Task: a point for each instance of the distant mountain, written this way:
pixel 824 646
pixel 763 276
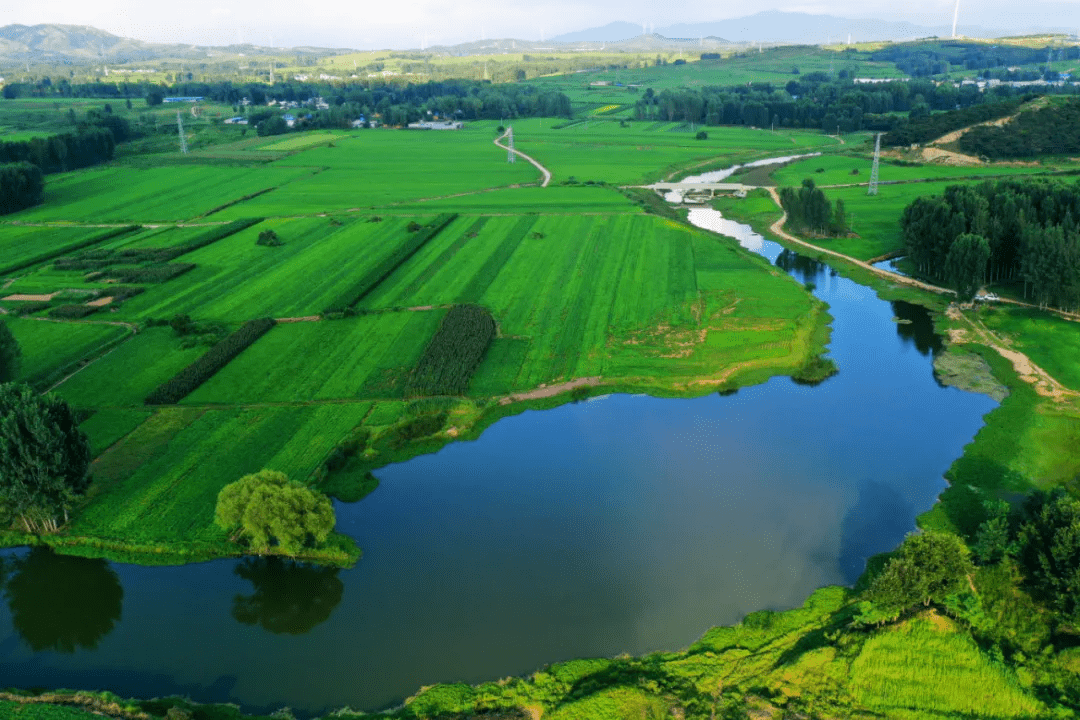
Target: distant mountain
pixel 84 44
pixel 802 28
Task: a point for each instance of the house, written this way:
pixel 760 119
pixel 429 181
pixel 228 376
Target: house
pixel 436 125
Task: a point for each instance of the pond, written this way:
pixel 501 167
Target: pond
pixel 620 524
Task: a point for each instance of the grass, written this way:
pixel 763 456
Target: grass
pixel 838 170
pixel 363 357
pixel 52 349
pixel 1051 342
pixel 20 246
pixel 107 426
pixel 128 373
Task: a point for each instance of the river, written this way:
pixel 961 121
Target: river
pixel 620 524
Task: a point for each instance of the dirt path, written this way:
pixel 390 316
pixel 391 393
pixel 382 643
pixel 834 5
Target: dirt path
pixel 957 134
pixel 1044 383
pixel 541 168
pixel 550 390
pixel 777 228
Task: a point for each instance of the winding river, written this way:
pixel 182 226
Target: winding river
pixel 620 524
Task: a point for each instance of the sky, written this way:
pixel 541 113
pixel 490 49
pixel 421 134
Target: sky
pixel 367 24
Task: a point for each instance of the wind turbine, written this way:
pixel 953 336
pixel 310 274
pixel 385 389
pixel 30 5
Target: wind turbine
pixel 956 15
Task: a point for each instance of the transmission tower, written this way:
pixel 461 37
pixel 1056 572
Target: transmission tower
pixel 180 127
pixel 510 145
pixel 874 170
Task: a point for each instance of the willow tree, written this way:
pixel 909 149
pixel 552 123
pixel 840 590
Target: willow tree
pixel 268 509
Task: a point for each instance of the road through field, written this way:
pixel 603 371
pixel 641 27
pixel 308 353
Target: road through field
pixel 541 168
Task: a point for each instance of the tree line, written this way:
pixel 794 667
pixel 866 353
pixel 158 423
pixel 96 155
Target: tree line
pixel 1049 130
pixel 808 210
pixel 818 101
pixel 1000 230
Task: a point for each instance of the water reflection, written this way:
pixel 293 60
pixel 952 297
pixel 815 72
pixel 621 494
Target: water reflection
pixel 806 268
pixel 915 327
pixel 60 602
pixel 289 597
pixel 876 523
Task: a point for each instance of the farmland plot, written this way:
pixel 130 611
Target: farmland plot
pixel 22 245
pixel 49 349
pixel 236 280
pixel 368 356
pixel 160 483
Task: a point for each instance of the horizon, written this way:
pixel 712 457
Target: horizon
pixel 340 25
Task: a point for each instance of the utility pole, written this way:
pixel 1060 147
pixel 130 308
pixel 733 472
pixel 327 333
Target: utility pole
pixel 872 190
pixel 180 127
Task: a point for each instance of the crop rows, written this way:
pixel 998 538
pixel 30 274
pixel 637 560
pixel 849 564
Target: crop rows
pixel 217 357
pixel 390 263
pixel 34 244
pixel 454 352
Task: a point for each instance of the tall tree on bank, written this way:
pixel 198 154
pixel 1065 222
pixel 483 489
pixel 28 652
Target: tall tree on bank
pixel 10 354
pixel 965 265
pixel 44 458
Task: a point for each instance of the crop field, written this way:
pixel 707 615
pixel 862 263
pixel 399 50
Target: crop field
pixel 235 279
pixel 167 194
pixel 108 425
pixel 50 348
pixel 839 170
pixel 128 373
pixel 571 199
pixel 160 483
pixel 22 245
pixel 363 357
pixel 376 167
pixel 155 237
pixel 303 141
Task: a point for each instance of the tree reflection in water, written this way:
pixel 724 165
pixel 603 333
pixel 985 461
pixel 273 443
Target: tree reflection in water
pixel 61 602
pixel 289 597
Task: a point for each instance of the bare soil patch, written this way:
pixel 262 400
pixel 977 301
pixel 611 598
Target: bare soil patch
pixel 546 391
pixel 100 302
pixel 19 297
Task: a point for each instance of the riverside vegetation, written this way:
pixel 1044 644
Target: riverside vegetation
pixel 651 304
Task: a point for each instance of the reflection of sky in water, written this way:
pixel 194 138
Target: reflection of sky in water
pixel 626 524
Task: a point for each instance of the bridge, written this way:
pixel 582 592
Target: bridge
pixel 699 192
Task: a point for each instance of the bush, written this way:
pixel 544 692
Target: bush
pixel 269 238
pixel 72 312
pixel 29 308
pixel 702 135
pixel 454 352
pixel 198 372
pixel 415 428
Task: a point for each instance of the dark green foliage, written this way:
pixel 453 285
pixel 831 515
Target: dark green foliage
pixel 809 210
pixel 72 312
pixel 148 273
pixel 99 259
pixel 10 355
pixel 21 186
pixel 815 371
pixel 931 127
pixel 1049 550
pixel 94 240
pixel 198 372
pixel 965 264
pixel 1031 231
pixel 29 308
pixel 272 126
pixel 702 135
pixel 391 263
pixel 413 226
pixel 993 540
pixel 269 238
pixel 1053 130
pixel 927 568
pixel 44 458
pixel 454 353
pixel 91 145
pixel 415 428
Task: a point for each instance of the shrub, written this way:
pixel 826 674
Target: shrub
pixel 414 428
pixel 72 312
pixel 198 372
pixel 269 238
pixel 702 135
pixel 454 352
pixel 29 308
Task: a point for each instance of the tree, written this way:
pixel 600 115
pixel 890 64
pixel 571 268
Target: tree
pixel 1049 543
pixel 928 568
pixel 267 507
pixel 44 458
pixel 965 264
pixel 10 355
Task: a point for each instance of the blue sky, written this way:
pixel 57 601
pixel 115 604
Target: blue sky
pixel 366 24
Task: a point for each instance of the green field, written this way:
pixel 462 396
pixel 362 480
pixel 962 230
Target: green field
pixel 20 245
pixel 364 357
pixel 838 170
pixel 52 349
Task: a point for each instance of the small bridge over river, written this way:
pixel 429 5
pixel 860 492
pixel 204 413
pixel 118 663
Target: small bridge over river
pixel 700 192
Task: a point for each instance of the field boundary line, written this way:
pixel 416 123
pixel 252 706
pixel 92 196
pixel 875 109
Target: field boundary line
pixel 541 168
